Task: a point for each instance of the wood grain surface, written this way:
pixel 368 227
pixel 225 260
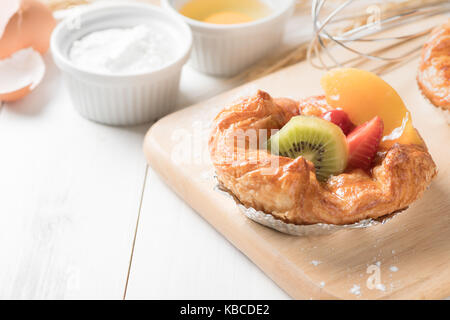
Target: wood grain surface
pixel 411 252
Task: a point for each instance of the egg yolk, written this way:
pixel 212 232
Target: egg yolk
pixel 228 17
pixel 225 12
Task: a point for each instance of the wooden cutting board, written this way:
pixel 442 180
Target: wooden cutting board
pixel 410 255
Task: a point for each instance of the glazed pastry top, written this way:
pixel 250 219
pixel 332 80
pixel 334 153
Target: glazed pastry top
pixel 434 71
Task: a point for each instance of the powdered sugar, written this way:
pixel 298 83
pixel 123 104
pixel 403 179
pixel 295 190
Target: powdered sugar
pixel 393 268
pixel 356 290
pixel 124 51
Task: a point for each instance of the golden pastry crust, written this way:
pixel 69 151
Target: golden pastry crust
pixel 290 191
pixel 434 71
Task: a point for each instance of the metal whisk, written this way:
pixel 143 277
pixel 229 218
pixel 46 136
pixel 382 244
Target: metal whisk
pixel 371 31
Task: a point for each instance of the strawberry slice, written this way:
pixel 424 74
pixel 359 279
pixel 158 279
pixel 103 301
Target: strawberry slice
pixel 363 143
pixel 339 118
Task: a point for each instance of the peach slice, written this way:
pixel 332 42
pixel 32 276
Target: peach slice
pixel 20 74
pixel 364 95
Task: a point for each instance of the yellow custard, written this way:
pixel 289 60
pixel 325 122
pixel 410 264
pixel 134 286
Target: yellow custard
pixel 225 11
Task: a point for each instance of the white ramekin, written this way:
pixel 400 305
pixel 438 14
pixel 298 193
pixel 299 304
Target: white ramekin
pixel 225 50
pixel 121 99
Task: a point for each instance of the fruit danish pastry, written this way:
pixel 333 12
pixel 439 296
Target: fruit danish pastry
pixel 340 158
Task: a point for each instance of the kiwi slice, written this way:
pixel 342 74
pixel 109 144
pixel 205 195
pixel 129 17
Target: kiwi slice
pixel 315 139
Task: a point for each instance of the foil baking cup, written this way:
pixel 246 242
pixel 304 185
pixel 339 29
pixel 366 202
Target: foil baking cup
pixel 299 230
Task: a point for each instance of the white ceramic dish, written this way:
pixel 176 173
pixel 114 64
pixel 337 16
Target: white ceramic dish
pixel 225 50
pixel 122 99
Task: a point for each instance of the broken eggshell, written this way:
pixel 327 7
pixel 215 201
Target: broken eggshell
pixel 25 30
pixel 24 24
pixel 20 73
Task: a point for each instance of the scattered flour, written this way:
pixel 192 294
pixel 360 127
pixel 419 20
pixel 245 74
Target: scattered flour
pixel 315 263
pixel 393 268
pixel 356 290
pixel 208 174
pixel 124 50
pixel 322 284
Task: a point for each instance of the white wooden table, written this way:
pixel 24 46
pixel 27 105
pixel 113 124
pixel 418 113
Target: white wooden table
pixel 83 217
